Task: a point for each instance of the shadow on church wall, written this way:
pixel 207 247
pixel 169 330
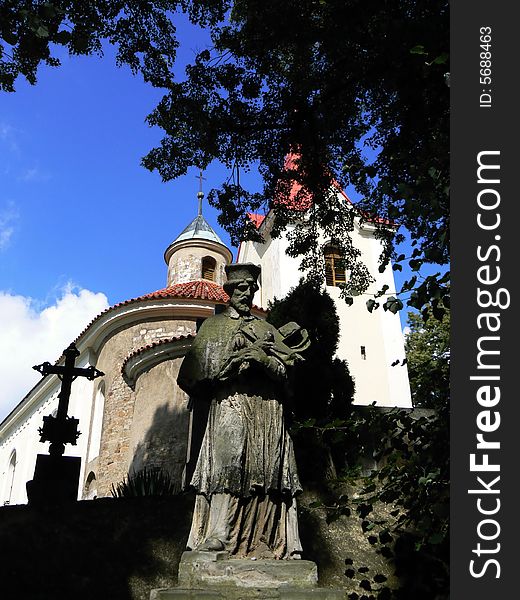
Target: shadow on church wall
pixel 160 424
pixel 164 444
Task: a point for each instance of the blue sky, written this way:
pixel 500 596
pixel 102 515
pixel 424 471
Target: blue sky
pixel 74 201
pixel 82 224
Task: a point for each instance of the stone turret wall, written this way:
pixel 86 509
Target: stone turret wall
pixel 185 264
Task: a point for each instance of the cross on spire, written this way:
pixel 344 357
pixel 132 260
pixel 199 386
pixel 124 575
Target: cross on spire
pixel 200 194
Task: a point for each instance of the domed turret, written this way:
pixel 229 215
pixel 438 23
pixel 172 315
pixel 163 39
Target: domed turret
pixel 197 253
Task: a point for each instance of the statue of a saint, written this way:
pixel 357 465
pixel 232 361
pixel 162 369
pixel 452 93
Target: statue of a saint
pixel 245 477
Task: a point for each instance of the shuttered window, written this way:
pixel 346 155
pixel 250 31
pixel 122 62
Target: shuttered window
pixel 208 268
pixel 334 267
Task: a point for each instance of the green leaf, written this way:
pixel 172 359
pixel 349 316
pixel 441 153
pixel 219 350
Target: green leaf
pixel 62 37
pixel 42 32
pixel 365 584
pixel 408 285
pixel 372 304
pixel 10 37
pixel 385 537
pixel 441 59
pixel 393 304
pixel 436 538
pixel 418 50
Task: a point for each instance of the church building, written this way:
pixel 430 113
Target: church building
pixel 135 415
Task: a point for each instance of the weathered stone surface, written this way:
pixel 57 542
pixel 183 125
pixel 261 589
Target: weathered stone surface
pixel 215 569
pixel 245 476
pixel 250 594
pixel 137 424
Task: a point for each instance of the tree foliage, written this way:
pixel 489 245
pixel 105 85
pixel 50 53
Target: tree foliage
pixel 412 479
pixel 32 30
pixel 428 359
pixel 327 79
pixel 322 386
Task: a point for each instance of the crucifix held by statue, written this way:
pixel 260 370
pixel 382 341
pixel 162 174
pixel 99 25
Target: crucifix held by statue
pixel 245 477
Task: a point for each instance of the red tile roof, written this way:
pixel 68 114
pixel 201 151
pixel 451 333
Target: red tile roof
pixel 299 198
pixel 201 288
pixel 155 345
pixel 256 219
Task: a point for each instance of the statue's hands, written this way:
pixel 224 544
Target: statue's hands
pixel 245 357
pixel 253 353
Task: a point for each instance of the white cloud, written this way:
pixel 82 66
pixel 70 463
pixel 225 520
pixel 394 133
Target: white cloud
pixel 8 218
pixel 8 137
pixel 31 335
pixel 34 175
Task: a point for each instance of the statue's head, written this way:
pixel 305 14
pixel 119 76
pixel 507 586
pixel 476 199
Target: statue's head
pixel 241 285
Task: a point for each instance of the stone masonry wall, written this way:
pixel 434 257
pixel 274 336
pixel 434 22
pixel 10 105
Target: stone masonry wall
pixel 116 452
pixel 186 265
pixel 160 423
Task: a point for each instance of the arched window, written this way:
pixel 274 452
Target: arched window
pixel 90 492
pixel 334 266
pixel 97 423
pixel 209 265
pixel 10 478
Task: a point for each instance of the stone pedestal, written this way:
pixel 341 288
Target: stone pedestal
pixel 56 480
pixel 214 576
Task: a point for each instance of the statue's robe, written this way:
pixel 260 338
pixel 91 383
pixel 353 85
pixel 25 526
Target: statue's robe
pixel 245 477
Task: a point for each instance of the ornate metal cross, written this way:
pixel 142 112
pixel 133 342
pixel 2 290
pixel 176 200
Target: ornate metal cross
pixel 61 429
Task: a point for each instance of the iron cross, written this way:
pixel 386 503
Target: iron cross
pixel 61 430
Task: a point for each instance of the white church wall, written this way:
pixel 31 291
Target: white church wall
pixel 379 332
pixel 21 434
pixel 80 406
pixel 96 422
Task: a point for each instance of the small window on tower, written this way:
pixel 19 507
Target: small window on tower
pixel 334 266
pixel 363 353
pixel 209 265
